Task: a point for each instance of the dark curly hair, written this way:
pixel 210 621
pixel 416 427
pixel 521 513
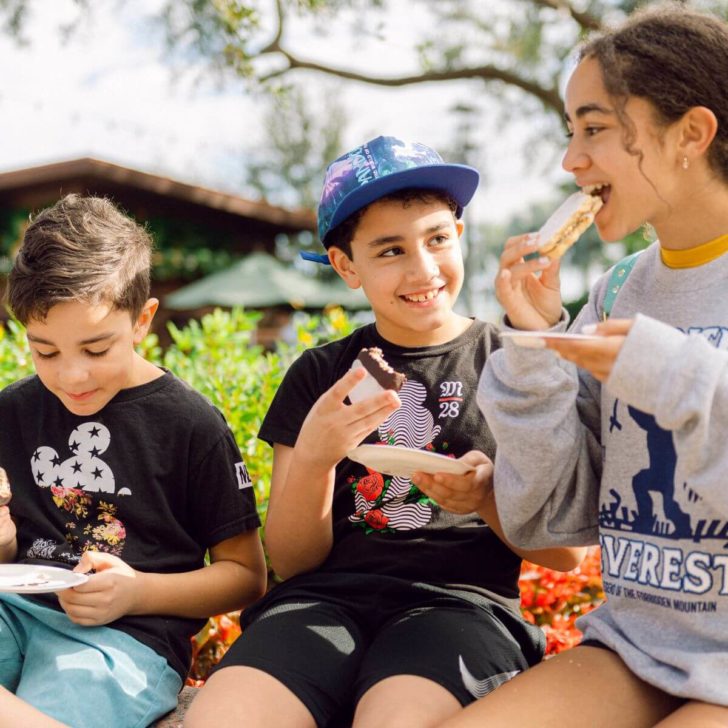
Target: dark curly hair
pixel 675 58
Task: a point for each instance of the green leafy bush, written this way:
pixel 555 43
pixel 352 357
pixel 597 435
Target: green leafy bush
pixel 15 361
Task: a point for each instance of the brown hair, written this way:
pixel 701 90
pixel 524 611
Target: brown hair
pixel 674 58
pixel 80 249
pixel 342 235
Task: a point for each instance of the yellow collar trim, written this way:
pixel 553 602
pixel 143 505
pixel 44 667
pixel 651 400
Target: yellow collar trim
pixel 693 257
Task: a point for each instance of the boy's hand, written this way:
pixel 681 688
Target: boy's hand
pixel 462 494
pixel 332 428
pixel 597 357
pixel 532 302
pixel 8 532
pixel 110 593
pixel 7 527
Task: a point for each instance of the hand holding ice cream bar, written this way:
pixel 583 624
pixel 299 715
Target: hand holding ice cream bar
pixel 5 493
pixel 380 376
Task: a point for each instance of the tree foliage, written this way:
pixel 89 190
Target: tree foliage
pixel 511 46
pixel 301 141
pixel 506 44
pixel 289 168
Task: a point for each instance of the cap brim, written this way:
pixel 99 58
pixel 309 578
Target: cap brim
pixel 322 258
pixel 457 180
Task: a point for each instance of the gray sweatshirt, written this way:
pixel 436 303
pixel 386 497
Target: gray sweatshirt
pixel 639 465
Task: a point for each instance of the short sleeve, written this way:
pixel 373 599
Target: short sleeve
pixel 223 494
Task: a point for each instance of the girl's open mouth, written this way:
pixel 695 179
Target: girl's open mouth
pixel 599 190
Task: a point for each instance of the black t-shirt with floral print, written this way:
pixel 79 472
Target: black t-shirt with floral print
pixel 155 477
pixel 384 524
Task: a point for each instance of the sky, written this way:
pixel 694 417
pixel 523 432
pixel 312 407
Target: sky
pixel 110 92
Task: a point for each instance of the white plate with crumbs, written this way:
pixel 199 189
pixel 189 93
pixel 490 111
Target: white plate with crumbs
pixel 37 579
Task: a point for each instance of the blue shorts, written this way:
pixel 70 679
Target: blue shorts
pixel 84 677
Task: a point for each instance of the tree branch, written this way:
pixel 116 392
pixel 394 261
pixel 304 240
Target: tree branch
pixel 549 97
pixel 585 20
pixel 275 44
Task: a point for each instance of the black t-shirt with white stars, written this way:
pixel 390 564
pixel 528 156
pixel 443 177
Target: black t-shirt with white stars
pixel 155 477
pixel 384 524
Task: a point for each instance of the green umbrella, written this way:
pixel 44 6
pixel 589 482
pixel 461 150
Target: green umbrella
pixel 259 280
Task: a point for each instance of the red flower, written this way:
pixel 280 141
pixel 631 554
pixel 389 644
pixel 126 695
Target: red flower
pixel 553 600
pixel 371 486
pixel 376 519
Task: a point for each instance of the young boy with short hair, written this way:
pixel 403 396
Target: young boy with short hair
pixel 119 471
pixel 395 606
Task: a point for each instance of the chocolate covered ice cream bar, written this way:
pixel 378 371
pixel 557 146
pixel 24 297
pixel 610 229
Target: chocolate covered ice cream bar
pixel 380 375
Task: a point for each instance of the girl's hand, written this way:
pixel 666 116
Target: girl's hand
pixel 110 593
pixel 528 290
pixel 597 357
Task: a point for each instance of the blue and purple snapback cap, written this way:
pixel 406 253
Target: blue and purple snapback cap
pixel 380 167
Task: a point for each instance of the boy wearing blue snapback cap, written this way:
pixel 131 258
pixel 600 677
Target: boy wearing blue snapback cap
pixel 394 608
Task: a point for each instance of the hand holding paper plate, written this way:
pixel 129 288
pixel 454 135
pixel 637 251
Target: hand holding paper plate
pixel 37 578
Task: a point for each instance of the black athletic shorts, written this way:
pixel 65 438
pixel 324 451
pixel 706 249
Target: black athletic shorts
pixel 331 637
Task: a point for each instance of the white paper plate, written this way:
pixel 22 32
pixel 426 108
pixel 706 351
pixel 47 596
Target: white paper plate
pixel 36 578
pixel 404 461
pixel 538 339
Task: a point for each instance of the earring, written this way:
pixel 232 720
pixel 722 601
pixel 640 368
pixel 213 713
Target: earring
pixel 685 162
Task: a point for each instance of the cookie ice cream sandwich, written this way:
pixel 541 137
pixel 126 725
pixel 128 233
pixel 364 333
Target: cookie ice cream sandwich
pixel 567 224
pixel 380 376
pixel 5 494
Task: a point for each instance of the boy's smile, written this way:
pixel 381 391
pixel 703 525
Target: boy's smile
pixel 406 256
pixel 84 354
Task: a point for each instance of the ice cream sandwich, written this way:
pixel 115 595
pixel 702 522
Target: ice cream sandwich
pixel 380 376
pixel 567 224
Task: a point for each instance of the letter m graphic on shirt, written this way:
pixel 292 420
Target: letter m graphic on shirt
pixel 243 476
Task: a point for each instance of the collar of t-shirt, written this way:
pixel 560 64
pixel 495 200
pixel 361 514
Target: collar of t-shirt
pixel 693 257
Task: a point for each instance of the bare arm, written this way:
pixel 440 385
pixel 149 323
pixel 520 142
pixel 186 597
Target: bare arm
pixel 299 531
pixel 235 578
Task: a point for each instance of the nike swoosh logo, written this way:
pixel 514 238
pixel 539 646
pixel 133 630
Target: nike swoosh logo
pixel 480 688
